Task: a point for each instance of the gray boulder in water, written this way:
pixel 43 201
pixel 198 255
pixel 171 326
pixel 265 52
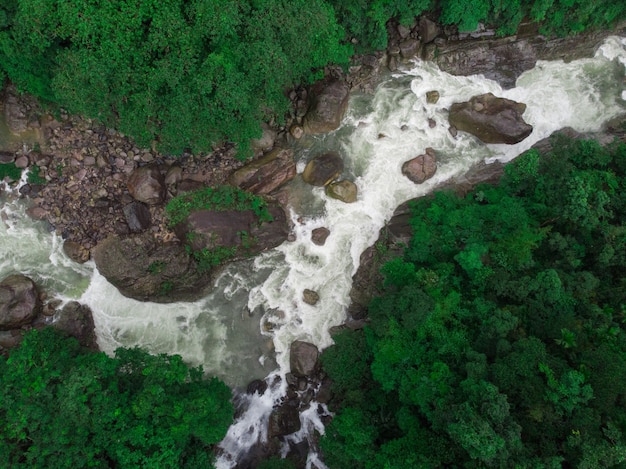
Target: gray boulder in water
pixel 491 119
pixel 323 169
pixel 329 102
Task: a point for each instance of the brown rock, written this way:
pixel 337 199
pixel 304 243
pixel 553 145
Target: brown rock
pixel 428 30
pixel 296 131
pixel 76 252
pixel 267 173
pixel 329 101
pixel 283 420
pixel 421 168
pixel 19 302
pixel 319 235
pixel 491 119
pixel 76 320
pixel 265 142
pixel 346 191
pixel 323 169
pixel 310 297
pixel 409 48
pixel 303 359
pixel 432 97
pixel 146 184
pixel 22 162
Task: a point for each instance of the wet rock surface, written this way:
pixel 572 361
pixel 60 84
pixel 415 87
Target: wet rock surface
pixel 142 268
pixel 491 119
pixel 329 101
pixel 323 169
pixel 19 302
pixel 266 174
pixel 422 167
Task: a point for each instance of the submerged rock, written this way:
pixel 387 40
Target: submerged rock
pixel 346 191
pixel 323 169
pixel 491 119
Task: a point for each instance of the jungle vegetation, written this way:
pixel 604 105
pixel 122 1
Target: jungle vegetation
pixel 191 74
pixel 500 337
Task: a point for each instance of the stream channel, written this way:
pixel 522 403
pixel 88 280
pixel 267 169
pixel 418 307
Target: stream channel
pixel 244 328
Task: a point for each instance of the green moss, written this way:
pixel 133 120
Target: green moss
pixel 219 198
pixel 10 170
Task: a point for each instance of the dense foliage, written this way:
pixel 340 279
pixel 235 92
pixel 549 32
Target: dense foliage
pixel 500 339
pixel 63 407
pixel 188 74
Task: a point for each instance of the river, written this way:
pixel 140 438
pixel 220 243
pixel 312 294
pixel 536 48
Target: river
pixel 243 330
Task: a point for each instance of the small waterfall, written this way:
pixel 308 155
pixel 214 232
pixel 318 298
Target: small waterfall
pixel 243 330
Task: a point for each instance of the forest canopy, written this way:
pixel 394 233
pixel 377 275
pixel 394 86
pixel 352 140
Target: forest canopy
pixel 500 336
pixel 190 74
pixel 62 406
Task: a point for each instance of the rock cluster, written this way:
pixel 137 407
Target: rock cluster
pixel 23 305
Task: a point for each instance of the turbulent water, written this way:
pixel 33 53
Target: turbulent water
pixel 243 330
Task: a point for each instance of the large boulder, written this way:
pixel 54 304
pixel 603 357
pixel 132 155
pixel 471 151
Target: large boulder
pixel 329 101
pixel 137 216
pixel 146 184
pixel 147 270
pixel 265 142
pixel 242 230
pixel 323 169
pixel 267 173
pixel 284 420
pixel 303 359
pixel 319 235
pixel 76 320
pixel 19 302
pixel 491 119
pixel 505 59
pixel 422 167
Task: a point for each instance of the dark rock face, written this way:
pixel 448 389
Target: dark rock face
pixel 137 216
pixel 76 320
pixel 146 270
pixel 323 169
pixel 329 102
pixel 505 59
pixel 303 359
pixel 19 302
pixel 421 168
pixel 240 229
pixel 319 235
pixel 284 420
pixel 146 184
pixel 491 119
pixel 266 174
pixel 428 30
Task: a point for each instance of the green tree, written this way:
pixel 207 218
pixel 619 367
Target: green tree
pixel 63 407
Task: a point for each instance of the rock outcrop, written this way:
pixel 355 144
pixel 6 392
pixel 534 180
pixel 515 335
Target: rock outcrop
pixel 303 359
pixel 323 169
pixel 19 302
pixel 491 119
pixel 328 104
pixel 146 184
pixel 76 320
pixel 422 167
pixel 147 270
pixel 267 173
pixel 242 230
pixel 319 235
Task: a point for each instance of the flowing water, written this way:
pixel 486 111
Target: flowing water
pixel 244 329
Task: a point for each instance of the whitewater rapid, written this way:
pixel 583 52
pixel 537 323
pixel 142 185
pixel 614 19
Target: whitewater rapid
pixel 243 330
